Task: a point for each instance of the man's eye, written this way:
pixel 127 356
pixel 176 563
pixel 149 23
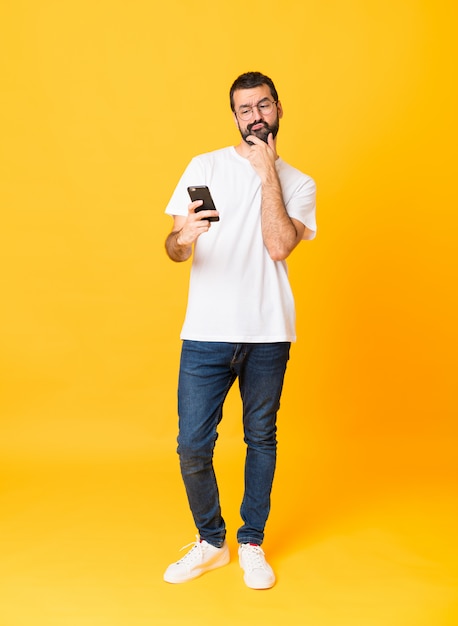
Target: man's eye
pixel 263 107
pixel 245 111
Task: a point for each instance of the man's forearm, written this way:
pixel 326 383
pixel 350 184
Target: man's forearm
pixel 177 251
pixel 278 230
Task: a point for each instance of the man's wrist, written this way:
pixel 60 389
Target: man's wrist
pixel 269 178
pixel 177 236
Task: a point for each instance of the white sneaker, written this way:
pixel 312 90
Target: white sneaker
pixel 201 558
pixel 258 573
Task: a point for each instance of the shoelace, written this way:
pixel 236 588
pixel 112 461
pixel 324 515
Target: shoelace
pixel 195 554
pixel 253 557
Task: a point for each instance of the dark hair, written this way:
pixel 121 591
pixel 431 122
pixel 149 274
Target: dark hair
pixel 250 80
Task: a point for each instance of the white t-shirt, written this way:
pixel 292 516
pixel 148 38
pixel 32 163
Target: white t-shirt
pixel 237 293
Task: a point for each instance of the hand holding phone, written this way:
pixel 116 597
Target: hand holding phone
pixel 202 192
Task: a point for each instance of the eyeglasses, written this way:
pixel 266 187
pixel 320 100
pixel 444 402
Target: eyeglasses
pixel 265 107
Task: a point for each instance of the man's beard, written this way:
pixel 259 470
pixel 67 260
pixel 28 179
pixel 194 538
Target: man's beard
pixel 262 133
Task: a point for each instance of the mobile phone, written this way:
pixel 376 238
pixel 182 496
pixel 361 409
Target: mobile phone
pixel 202 192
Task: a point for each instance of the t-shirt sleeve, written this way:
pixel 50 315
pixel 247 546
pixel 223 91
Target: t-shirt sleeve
pixel 193 175
pixel 301 205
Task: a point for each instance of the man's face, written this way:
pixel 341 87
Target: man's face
pixel 256 113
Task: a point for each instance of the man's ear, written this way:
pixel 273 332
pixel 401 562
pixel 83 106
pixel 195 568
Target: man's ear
pixel 279 110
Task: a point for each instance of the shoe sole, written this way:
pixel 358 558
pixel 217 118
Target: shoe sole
pixel 258 586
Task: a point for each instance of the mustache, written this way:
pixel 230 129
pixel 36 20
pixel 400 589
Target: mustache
pixel 250 126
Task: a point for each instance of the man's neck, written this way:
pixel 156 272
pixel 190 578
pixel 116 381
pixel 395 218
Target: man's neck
pixel 242 148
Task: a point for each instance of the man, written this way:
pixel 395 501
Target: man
pixel 240 319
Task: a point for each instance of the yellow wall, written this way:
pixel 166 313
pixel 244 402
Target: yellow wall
pixel 103 105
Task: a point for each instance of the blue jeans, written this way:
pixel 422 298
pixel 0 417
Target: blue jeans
pixel 207 372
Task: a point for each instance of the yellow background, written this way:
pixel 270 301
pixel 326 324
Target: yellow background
pixel 102 106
